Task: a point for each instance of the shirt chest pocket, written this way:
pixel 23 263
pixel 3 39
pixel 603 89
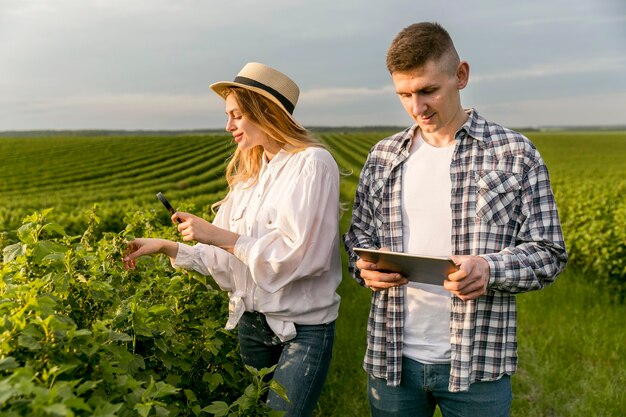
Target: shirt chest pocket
pixel 237 220
pixel 246 221
pixel 267 217
pixel 376 201
pixel 498 193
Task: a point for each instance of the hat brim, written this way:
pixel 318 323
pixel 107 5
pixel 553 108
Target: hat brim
pixel 221 89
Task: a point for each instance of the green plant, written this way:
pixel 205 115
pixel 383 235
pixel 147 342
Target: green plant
pixel 81 336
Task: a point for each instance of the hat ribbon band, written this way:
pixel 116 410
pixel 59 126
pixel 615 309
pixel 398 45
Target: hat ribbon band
pixel 289 106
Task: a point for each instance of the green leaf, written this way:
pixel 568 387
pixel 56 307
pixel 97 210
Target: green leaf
pixel 252 370
pixel 119 337
pixel 13 251
pixel 46 211
pixel 250 391
pixel 87 386
pixel 76 403
pixel 8 363
pixel 54 228
pixel 159 309
pixel 58 370
pixel 161 344
pixel 27 232
pixel 45 247
pixel 57 409
pixel 164 389
pixel 6 391
pixel 213 379
pixel 143 409
pixel 217 408
pixel 279 389
pixel 28 342
pixel 190 395
pixel 107 410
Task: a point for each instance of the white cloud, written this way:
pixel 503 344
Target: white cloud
pixel 585 19
pixel 550 69
pixel 582 110
pixel 140 63
pixel 325 96
pixel 113 111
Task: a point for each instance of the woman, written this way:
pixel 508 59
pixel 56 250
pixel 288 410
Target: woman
pixel 273 244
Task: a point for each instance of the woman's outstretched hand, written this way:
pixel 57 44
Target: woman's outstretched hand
pixel 148 246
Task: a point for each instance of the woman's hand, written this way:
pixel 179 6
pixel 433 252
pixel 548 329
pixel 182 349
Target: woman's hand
pixel 197 229
pixel 147 246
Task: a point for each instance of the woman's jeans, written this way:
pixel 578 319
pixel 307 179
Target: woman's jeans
pixel 425 386
pixel 302 362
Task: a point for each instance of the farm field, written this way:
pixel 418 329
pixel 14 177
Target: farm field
pixel 572 343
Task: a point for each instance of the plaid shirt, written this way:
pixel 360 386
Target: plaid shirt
pixel 502 209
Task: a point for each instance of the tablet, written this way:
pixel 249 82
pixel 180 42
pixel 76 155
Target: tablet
pixel 418 268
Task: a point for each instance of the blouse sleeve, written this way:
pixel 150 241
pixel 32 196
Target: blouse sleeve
pixel 208 259
pixel 301 241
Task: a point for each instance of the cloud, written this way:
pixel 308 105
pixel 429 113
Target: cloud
pixel 583 110
pixel 339 95
pixel 112 111
pixel 147 63
pixel 552 69
pixel 586 19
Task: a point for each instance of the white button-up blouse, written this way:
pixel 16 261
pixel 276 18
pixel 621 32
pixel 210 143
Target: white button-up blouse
pixel 287 262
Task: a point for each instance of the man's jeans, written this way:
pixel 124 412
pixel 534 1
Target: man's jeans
pixel 425 386
pixel 303 362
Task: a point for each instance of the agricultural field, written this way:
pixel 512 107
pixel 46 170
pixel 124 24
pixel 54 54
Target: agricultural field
pixel 81 336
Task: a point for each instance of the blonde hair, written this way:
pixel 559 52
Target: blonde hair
pixel 244 166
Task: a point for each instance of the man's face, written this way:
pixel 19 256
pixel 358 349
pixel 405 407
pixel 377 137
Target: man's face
pixel 430 95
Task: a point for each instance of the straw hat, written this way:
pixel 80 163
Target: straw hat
pixel 266 81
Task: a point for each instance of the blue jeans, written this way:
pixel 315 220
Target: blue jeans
pixel 302 362
pixel 425 386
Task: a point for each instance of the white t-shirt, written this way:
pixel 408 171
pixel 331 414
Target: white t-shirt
pixel 426 230
pixel 287 262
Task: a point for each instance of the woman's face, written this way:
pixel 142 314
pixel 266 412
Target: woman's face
pixel 246 133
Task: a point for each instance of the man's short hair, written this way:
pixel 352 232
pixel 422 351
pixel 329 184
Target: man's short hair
pixel 418 44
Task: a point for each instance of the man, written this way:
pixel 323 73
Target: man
pixel 452 184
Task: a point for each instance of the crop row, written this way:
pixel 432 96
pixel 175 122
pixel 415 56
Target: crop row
pixel 122 174
pixel 134 168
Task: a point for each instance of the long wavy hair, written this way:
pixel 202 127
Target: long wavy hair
pixel 244 166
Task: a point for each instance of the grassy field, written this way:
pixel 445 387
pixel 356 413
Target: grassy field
pixel 572 340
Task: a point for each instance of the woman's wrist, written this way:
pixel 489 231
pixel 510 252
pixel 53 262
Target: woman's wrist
pixel 169 248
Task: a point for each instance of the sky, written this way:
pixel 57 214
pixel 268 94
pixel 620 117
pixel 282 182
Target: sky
pixel 147 64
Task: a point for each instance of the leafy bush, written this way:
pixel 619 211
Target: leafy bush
pixel 81 336
pixel 594 223
pixel 589 183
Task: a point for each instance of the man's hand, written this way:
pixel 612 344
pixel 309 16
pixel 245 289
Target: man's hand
pixel 378 280
pixel 470 281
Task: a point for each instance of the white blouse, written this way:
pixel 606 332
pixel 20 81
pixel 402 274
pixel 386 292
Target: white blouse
pixel 287 262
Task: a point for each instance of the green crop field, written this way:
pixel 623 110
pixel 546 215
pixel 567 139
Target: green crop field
pixel 80 336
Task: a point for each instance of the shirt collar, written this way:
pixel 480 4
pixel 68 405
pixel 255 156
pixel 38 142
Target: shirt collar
pixel 274 166
pixel 475 127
